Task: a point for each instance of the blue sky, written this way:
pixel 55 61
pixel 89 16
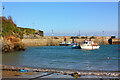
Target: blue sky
pixel 60 0
pixel 65 18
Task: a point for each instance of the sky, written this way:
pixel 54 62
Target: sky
pixel 66 18
pixel 60 0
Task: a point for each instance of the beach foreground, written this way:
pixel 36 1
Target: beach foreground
pixel 35 73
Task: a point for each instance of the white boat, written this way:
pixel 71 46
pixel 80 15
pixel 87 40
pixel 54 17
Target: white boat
pixel 89 45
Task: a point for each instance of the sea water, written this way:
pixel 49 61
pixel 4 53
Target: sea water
pixel 64 57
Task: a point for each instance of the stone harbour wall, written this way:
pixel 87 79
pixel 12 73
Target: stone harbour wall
pixel 55 40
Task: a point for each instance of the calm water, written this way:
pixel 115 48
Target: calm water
pixel 64 57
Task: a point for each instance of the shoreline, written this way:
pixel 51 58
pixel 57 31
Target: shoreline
pixel 63 72
pixel 57 69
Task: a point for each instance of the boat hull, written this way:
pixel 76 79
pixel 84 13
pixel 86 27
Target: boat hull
pixel 65 44
pixel 76 47
pixel 89 47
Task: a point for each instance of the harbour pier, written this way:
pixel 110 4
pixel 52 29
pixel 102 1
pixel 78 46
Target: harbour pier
pixel 55 40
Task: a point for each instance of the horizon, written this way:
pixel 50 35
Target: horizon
pixel 66 19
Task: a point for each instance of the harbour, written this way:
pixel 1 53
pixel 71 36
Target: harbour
pixel 71 40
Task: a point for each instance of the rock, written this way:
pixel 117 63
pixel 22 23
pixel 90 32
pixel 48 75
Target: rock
pixel 12 46
pixel 65 73
pixel 76 75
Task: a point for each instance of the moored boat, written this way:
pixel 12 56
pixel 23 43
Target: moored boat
pixel 89 45
pixel 65 43
pixel 75 46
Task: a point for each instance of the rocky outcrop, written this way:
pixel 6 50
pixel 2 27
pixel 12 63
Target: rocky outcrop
pixel 8 46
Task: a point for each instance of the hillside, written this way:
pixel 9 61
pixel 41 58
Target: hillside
pixel 9 28
pixel 12 35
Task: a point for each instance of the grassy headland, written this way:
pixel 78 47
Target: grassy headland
pixel 9 28
pixel 12 35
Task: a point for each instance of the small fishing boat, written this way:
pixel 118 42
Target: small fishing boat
pixel 65 43
pixel 89 45
pixel 75 46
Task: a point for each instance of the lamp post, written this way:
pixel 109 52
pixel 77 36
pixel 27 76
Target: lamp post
pixel 115 35
pixel 79 32
pixel 52 33
pixel 103 33
pixel 52 39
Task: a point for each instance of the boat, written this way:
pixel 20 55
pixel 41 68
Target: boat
pixel 75 46
pixel 65 43
pixel 89 45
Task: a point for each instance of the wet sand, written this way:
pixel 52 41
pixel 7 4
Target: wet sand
pixel 16 74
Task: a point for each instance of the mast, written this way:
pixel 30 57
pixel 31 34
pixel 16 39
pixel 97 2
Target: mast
pixel 3 10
